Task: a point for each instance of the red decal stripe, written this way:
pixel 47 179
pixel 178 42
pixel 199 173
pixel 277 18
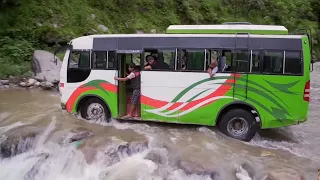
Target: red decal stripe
pixel 109 87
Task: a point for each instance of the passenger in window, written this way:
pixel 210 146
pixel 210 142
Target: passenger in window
pixel 223 62
pixel 153 64
pixel 134 77
pixel 213 69
pixel 184 60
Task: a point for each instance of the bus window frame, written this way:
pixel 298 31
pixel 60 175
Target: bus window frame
pixel 234 51
pixel 194 49
pixel 80 50
pixel 262 62
pixel 143 63
pixel 301 61
pixel 107 65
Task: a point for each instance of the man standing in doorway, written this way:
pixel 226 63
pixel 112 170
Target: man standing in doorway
pixel 134 77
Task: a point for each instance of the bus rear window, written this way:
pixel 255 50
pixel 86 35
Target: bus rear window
pixel 293 63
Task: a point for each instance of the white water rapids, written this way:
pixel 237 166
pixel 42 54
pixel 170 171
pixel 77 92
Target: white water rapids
pixel 144 151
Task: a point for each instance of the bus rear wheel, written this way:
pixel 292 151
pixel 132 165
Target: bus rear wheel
pixel 239 124
pixel 95 109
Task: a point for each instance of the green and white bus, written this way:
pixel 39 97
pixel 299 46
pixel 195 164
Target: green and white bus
pixel 266 84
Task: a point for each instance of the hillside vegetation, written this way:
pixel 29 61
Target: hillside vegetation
pixel 26 25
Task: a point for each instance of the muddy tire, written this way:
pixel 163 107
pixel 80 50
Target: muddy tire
pixel 95 109
pixel 239 124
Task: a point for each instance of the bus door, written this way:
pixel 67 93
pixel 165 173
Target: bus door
pixel 240 66
pixel 125 58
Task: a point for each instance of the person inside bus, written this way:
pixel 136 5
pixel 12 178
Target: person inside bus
pixel 134 78
pixel 184 60
pixel 213 69
pixel 223 62
pixel 153 64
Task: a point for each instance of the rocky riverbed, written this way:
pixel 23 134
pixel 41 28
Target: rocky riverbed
pixel 45 70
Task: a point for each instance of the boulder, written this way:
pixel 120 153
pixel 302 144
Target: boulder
pixel 79 134
pixel 284 174
pixel 24 84
pixel 190 167
pixel 18 140
pixel 46 85
pixel 103 28
pixel 31 82
pixel 4 82
pixel 44 66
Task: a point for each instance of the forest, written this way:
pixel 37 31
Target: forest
pixel 27 25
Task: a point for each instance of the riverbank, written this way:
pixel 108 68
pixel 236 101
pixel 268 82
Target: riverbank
pixel 27 83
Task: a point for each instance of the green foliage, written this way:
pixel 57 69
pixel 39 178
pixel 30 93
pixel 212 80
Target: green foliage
pixel 43 24
pixel 15 56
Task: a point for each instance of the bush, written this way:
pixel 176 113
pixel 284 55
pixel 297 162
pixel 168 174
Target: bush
pixel 15 57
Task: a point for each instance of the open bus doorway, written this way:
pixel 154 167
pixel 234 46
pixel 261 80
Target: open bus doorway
pixel 125 88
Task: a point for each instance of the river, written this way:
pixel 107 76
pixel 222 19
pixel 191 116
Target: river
pixel 136 150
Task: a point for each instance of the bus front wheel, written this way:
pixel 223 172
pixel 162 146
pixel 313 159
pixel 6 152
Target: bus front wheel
pixel 239 124
pixel 94 109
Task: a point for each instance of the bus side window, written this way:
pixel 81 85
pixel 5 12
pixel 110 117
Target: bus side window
pixel 273 62
pixel 79 59
pixel 293 62
pixel 255 62
pixel 240 60
pixel 103 60
pixel 165 58
pixel 193 60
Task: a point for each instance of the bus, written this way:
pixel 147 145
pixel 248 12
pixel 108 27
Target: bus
pixel 266 83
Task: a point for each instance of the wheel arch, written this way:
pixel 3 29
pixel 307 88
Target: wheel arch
pixel 242 105
pixel 86 97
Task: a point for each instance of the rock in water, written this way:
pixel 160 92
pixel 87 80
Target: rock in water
pixel 32 82
pixel 191 167
pixel 46 85
pixel 284 174
pixel 18 140
pixel 4 82
pixel 44 66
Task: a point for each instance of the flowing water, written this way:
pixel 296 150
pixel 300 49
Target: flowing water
pixel 42 138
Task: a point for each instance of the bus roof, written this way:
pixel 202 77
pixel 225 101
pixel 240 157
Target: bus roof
pixel 133 41
pixel 227 29
pixel 189 35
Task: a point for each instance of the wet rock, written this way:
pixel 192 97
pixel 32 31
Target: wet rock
pixel 35 168
pixel 157 156
pixel 242 174
pixel 46 85
pixel 24 84
pixel 4 82
pixel 284 174
pixel 89 154
pixel 18 140
pixel 190 167
pixel 44 66
pixel 132 147
pixel 103 28
pixel 79 134
pixel 31 82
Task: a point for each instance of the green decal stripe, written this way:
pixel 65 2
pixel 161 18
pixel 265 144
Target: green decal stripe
pixel 182 93
pixel 194 97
